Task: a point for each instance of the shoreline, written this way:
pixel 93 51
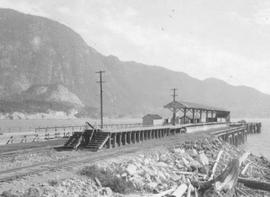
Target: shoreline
pixel 143 173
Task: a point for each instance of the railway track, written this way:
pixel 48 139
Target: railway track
pixel 14 153
pixel 13 149
pixel 87 157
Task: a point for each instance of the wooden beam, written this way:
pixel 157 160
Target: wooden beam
pixel 255 184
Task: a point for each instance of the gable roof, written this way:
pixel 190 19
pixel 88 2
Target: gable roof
pixel 153 116
pixel 189 105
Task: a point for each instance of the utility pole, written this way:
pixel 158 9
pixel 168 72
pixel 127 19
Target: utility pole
pixel 101 96
pixel 174 107
pixel 174 94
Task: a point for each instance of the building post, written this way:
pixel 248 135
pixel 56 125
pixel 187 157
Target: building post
pixel 193 115
pixel 200 115
pixel 185 111
pixel 228 118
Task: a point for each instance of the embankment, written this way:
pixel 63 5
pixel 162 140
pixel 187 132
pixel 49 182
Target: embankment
pixel 167 170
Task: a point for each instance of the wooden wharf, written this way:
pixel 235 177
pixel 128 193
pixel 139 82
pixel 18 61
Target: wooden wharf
pixel 96 139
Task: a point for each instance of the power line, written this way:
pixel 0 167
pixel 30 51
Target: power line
pixel 101 96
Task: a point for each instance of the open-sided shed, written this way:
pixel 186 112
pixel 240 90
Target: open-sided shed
pixel 189 119
pixel 198 111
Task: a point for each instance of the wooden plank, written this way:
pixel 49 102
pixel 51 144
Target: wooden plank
pixel 255 184
pixel 104 142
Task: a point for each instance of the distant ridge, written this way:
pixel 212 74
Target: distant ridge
pixel 38 51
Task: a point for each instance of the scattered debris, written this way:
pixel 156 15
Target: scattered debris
pixel 204 167
pixel 180 191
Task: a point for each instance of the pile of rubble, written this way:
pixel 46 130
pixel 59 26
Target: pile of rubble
pixel 205 167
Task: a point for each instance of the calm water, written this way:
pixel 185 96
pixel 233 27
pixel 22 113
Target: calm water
pixel 28 125
pixel 259 144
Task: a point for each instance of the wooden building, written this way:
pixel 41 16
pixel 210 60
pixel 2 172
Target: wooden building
pixel 152 119
pixel 194 113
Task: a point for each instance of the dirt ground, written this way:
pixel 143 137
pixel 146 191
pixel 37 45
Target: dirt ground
pixel 35 156
pixel 55 157
pixel 56 173
pixel 135 170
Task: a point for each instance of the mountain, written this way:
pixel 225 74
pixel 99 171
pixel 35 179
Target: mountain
pixel 50 93
pixel 36 52
pixel 44 101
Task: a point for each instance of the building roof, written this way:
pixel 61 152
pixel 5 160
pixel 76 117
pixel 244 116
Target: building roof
pixel 188 105
pixel 153 116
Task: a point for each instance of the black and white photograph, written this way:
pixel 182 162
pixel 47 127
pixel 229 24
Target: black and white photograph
pixel 134 98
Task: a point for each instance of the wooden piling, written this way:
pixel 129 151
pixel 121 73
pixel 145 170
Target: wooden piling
pixel 129 137
pixel 120 139
pixel 108 143
pixel 114 140
pixel 125 138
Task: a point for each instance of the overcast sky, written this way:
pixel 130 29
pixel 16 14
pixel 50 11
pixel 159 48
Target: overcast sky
pixel 228 39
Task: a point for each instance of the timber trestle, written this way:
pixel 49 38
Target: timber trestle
pixel 96 139
pixel 237 134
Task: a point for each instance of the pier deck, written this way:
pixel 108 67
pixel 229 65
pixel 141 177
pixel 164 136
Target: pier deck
pixel 95 140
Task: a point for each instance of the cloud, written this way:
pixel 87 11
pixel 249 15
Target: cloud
pixel 262 17
pixel 25 6
pixel 259 13
pixel 64 10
